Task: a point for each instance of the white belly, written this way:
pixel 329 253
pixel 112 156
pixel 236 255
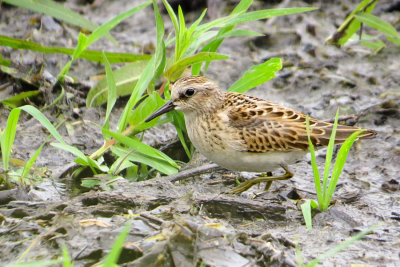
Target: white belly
pixel 252 162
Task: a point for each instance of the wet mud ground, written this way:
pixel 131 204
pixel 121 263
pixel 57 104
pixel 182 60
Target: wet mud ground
pixel 189 221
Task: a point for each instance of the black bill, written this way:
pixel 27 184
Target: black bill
pixel 163 109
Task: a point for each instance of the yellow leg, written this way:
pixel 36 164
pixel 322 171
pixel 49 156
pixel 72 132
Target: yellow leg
pixel 259 179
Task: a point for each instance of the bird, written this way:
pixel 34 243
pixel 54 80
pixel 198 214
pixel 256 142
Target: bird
pixel 240 132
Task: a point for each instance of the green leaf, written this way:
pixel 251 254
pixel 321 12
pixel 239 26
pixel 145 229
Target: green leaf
pixel 138 146
pixel 113 256
pixel 91 55
pixel 34 112
pixel 8 136
pixel 57 11
pixel 125 78
pixel 29 164
pixel 17 100
pixel 317 181
pixel 112 92
pixel 144 110
pixel 109 25
pixel 340 161
pixel 141 85
pixel 66 259
pixel 179 123
pixel 158 164
pixel 377 46
pixel 306 210
pixel 351 25
pixel 328 160
pixel 176 70
pixel 377 23
pixel 394 40
pixel 3 61
pixel 257 75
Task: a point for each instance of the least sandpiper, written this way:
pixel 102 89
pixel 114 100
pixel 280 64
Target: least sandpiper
pixel 245 133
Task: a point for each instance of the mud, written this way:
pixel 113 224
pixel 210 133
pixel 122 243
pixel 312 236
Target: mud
pixel 190 220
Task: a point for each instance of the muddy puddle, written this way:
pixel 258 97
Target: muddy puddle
pixel 190 220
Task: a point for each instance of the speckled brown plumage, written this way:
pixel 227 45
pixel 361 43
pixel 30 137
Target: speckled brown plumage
pixel 245 133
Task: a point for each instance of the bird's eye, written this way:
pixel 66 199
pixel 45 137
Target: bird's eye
pixel 189 92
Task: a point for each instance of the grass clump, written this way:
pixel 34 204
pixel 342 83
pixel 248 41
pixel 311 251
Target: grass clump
pixel 326 191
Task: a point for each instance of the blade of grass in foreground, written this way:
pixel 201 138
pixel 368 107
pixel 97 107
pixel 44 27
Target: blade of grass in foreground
pixel 341 246
pixel 7 137
pixel 113 256
pixel 314 165
pixel 91 55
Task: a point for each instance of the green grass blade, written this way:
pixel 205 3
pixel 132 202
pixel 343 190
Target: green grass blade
pixel 328 160
pixel 138 146
pixel 57 11
pixel 340 161
pixel 160 165
pixel 251 16
pixel 351 25
pixel 92 55
pixel 144 80
pixel 306 210
pixel 112 92
pixel 73 150
pixel 17 100
pixel 395 41
pixel 377 23
pixel 112 257
pixel 176 70
pixel 29 164
pixel 340 247
pixel 314 165
pixel 109 25
pixel 257 75
pixel 174 20
pixel 34 112
pixel 8 136
pixel 179 123
pixel 66 258
pixel 160 57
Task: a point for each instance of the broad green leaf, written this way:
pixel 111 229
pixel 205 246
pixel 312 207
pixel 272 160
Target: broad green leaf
pixel 17 100
pixel 8 136
pixel 257 75
pixel 351 25
pixel 125 78
pixel 176 70
pixel 91 55
pixel 57 11
pixel 377 23
pixel 112 92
